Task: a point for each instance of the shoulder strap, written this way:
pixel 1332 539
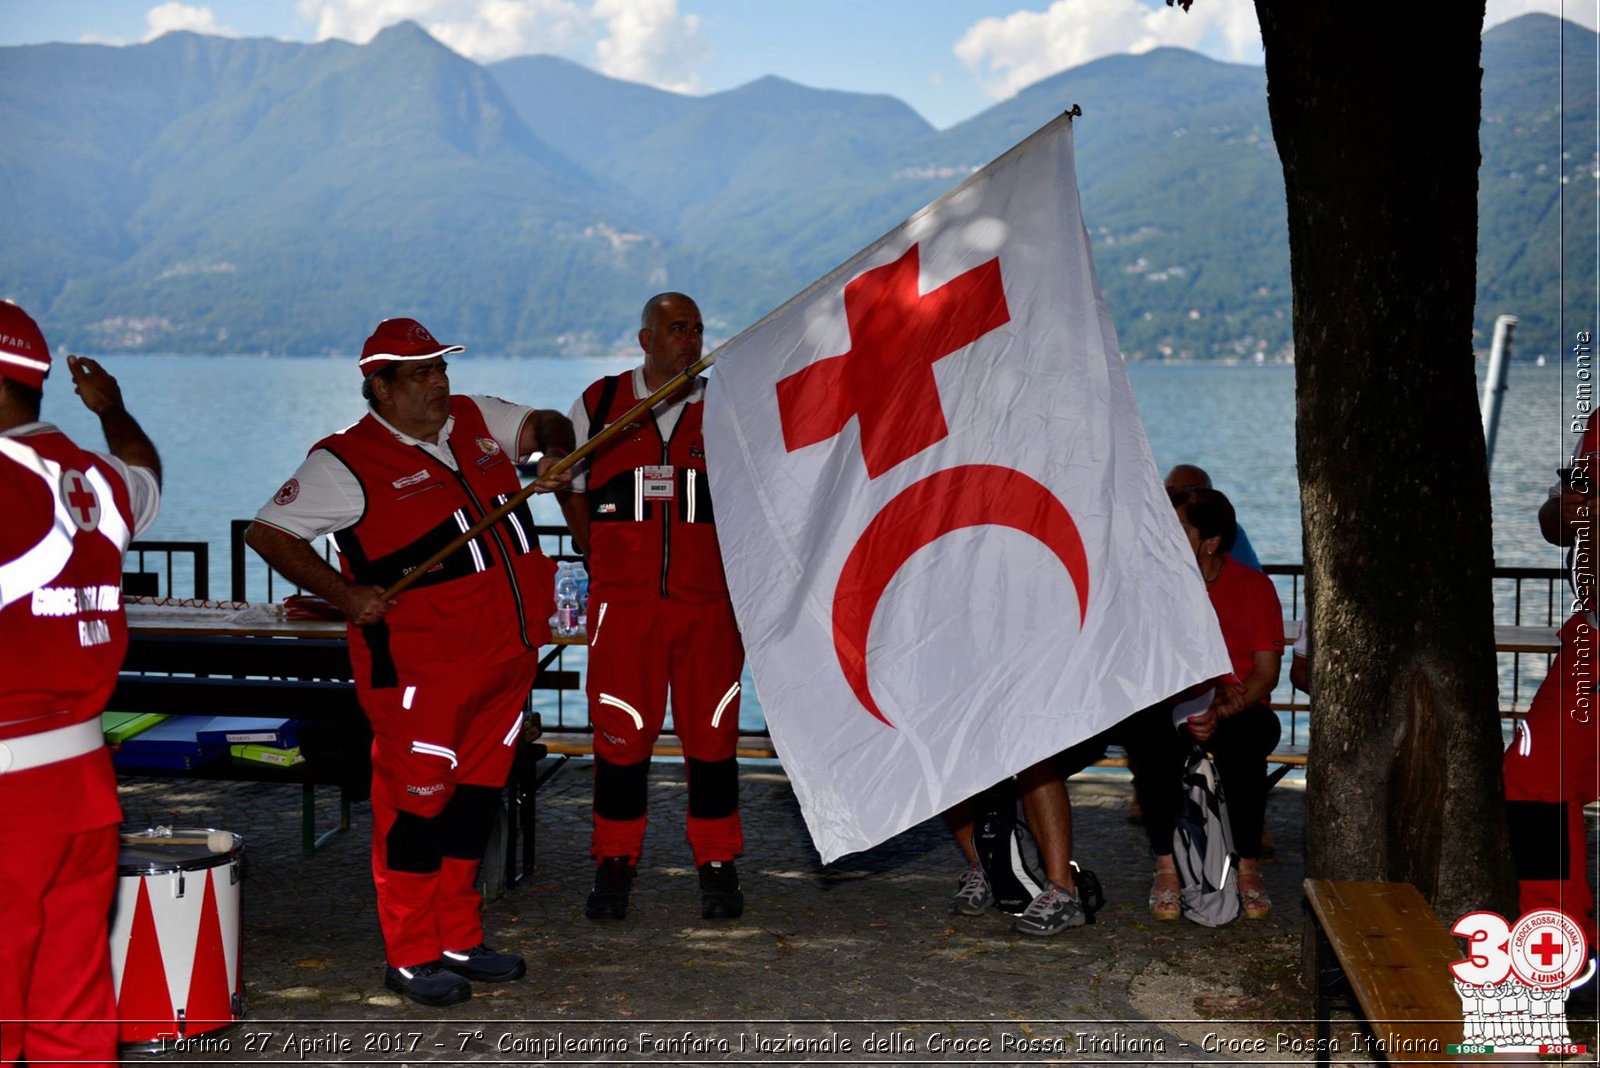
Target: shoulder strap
pixel 602 405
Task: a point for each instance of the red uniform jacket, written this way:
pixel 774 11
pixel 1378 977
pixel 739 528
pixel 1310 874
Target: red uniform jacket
pixel 651 528
pixel 62 630
pixel 487 602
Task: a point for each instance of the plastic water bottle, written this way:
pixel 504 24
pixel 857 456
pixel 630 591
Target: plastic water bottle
pixel 583 596
pixel 566 601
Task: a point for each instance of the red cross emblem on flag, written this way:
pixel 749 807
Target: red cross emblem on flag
pixel 83 505
pixel 885 382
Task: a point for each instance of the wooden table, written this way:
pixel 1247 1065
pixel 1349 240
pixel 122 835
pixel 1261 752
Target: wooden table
pixel 254 621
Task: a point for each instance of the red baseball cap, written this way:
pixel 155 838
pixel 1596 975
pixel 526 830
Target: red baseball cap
pixel 401 339
pixel 23 354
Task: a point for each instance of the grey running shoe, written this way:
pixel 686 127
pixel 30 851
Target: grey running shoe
pixel 719 890
pixel 613 880
pixel 1053 911
pixel 973 896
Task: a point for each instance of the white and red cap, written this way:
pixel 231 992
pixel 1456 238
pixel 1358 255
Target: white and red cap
pixel 24 356
pixel 398 340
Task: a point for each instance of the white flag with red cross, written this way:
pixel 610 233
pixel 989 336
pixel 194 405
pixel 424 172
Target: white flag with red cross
pixel 948 547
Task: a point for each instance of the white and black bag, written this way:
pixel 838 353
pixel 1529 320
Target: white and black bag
pixel 1202 847
pixel 1010 857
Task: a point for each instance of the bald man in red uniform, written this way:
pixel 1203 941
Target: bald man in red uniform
pixel 660 616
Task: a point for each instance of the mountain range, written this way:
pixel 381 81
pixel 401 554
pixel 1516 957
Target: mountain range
pixel 206 194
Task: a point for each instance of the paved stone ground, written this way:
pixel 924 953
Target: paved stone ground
pixel 827 955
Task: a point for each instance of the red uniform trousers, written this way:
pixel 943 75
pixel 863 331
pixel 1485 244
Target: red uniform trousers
pixel 637 650
pixel 55 979
pixel 1552 770
pixel 441 752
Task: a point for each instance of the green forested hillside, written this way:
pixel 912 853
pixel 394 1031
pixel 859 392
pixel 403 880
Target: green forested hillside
pixel 1537 183
pixel 222 195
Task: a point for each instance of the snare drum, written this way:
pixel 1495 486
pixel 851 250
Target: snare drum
pixel 175 936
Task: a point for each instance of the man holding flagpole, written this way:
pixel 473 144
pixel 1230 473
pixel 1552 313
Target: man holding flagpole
pixel 444 669
pixel 659 616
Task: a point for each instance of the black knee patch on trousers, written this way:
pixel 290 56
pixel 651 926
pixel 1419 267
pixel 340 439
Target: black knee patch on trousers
pixel 412 844
pixel 713 788
pixel 619 789
pixel 1538 839
pixel 467 821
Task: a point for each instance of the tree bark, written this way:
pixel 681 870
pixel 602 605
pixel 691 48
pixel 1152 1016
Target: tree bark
pixel 1375 113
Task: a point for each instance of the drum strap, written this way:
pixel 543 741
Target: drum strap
pixel 50 747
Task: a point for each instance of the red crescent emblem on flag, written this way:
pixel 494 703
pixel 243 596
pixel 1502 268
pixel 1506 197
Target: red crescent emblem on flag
pixel 968 496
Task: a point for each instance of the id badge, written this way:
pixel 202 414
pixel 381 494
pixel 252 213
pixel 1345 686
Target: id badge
pixel 659 483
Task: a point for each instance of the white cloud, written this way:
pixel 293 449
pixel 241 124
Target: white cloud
pixel 1013 51
pixel 643 40
pixel 1583 12
pixel 165 18
pixel 651 41
pixel 1018 49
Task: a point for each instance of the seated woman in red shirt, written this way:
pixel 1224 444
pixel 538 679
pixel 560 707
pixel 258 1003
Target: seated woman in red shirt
pixel 1239 728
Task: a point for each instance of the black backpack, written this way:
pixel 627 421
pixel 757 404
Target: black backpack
pixel 1010 856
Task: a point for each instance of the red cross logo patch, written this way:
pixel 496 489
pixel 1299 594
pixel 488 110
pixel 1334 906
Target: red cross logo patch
pixel 83 505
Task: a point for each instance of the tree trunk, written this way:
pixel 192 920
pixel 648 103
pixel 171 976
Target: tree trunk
pixel 1375 113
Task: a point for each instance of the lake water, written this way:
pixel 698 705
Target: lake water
pixel 231 429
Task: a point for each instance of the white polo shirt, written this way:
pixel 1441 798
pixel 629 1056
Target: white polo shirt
pixel 323 495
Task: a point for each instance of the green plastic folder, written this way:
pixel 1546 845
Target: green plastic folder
pixel 120 726
pixel 266 754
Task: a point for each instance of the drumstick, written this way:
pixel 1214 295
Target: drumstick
pixel 216 841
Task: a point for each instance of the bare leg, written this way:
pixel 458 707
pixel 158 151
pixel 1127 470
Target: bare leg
pixel 1166 890
pixel 1044 800
pixel 958 817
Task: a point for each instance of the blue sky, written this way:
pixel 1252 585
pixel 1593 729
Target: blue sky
pixel 949 59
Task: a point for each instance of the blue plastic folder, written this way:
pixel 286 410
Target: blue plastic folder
pixel 173 744
pixel 271 731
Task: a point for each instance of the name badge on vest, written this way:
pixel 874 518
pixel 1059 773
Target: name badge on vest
pixel 658 483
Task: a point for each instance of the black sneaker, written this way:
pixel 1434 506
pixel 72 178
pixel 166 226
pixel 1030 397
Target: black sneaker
pixel 484 965
pixel 428 984
pixel 613 879
pixel 719 890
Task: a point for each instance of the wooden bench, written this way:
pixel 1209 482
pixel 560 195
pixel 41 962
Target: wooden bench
pixel 1382 943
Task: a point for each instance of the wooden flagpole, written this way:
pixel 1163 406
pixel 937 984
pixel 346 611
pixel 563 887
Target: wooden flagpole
pixel 566 462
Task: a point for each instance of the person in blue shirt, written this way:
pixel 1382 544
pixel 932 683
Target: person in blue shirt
pixel 1188 476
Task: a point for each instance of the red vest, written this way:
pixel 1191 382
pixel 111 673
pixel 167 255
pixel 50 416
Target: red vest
pixel 652 532
pixel 62 629
pixel 487 602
